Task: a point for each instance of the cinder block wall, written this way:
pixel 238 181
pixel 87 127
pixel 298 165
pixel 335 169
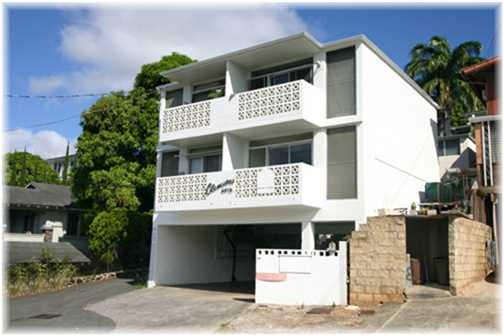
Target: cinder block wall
pixel 467 252
pixel 377 261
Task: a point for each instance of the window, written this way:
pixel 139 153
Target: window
pixel 341 82
pixel 208 91
pixel 341 163
pixel 279 151
pixel 173 98
pixel 205 160
pixel 170 163
pixel 281 74
pixel 448 147
pixel 72 228
pixel 257 157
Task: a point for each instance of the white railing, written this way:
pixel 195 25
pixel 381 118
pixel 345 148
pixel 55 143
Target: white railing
pixel 272 100
pixel 293 101
pixel 301 277
pixel 293 184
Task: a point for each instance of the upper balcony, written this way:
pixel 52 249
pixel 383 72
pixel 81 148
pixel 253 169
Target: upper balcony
pixel 271 186
pixel 291 107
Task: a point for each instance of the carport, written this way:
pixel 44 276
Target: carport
pixel 223 254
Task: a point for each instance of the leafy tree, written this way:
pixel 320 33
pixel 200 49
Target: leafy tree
pixel 149 77
pixel 116 152
pixel 23 168
pixel 107 231
pixel 437 68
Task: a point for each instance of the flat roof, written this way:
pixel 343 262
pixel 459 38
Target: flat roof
pixel 292 47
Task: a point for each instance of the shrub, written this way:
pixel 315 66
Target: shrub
pixel 46 273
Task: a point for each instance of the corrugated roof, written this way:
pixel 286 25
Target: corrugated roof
pixel 24 252
pixel 40 194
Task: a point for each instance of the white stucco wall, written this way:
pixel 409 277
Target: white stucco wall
pixel 399 142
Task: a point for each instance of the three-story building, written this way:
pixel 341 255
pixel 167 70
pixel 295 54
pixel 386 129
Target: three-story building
pixel 287 144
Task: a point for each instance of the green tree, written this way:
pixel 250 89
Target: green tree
pixel 116 152
pixel 437 68
pixel 107 231
pixel 150 75
pixel 23 168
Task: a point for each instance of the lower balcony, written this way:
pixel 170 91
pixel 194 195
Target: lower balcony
pixel 272 186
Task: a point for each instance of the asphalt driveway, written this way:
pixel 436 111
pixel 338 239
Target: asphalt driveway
pixel 64 309
pixel 203 308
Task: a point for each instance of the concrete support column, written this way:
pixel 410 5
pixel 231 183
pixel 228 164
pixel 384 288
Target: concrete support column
pixel 183 161
pixel 236 79
pixel 320 76
pixel 151 282
pixel 307 236
pixel 187 94
pixel 234 152
pixel 319 156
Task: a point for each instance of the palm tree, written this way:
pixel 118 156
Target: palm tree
pixel 438 70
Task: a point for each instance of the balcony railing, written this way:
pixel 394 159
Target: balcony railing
pixel 282 185
pixel 291 101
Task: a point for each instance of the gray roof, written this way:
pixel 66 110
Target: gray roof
pixel 24 252
pixel 38 194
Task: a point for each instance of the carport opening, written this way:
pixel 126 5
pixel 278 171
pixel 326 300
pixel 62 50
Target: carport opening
pixel 222 257
pixel 427 244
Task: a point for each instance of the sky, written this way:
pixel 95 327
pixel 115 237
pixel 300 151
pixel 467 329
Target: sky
pixel 81 50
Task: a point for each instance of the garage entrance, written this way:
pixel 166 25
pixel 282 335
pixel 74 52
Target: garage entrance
pixel 427 244
pixel 224 254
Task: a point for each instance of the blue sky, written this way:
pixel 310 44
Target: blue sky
pixel 86 50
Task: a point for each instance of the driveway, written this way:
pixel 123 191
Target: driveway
pixel 65 309
pixel 203 308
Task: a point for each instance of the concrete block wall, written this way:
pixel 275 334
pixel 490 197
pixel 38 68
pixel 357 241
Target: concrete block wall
pixel 377 261
pixel 467 252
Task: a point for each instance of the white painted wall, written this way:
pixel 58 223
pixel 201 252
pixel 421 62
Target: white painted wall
pixel 236 78
pixel 234 152
pixel 399 137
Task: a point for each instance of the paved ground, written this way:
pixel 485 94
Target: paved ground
pixel 188 308
pixel 427 309
pixel 113 304
pixel 65 309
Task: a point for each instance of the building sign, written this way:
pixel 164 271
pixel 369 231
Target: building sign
pixel 225 187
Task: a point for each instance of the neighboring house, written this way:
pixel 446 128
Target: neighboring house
pixel 305 142
pixel 58 164
pixel 41 207
pixel 481 76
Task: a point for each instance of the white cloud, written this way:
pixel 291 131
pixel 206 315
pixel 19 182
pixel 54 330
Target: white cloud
pixel 46 84
pixel 47 144
pixel 110 45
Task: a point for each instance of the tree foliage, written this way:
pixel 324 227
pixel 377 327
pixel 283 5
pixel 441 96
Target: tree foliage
pixel 23 168
pixel 116 152
pixel 437 68
pixel 107 231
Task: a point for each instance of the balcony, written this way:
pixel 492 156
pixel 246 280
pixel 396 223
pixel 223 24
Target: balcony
pixel 271 186
pixel 294 106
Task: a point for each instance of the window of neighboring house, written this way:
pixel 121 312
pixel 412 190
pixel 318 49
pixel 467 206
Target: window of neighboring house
pixel 72 228
pixel 341 82
pixel 277 153
pixel 170 163
pixel 29 223
pixel 208 90
pixel 448 147
pixel 173 98
pixel 205 160
pixel 341 163
pixel 281 74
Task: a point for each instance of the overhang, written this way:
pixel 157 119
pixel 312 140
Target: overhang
pixel 266 54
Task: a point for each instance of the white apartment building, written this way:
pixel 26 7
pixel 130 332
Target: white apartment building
pixel 287 144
